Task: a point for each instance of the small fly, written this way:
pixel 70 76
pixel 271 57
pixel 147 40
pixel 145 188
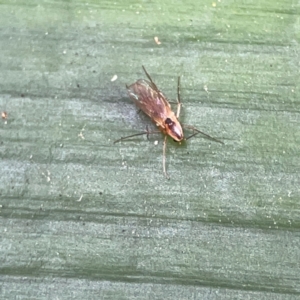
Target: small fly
pixel 153 103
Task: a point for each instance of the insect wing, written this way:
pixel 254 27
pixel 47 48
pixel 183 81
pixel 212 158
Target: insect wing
pixel 149 99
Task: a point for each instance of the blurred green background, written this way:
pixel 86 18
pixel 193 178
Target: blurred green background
pixel 83 218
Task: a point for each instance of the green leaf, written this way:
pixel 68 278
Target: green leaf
pixel 84 218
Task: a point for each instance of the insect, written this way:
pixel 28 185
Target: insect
pixel 153 103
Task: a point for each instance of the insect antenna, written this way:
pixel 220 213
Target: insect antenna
pixel 199 131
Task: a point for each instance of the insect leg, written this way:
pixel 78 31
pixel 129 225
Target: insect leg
pixel 136 134
pixel 196 131
pixel 148 132
pixel 164 158
pixel 147 74
pixel 178 99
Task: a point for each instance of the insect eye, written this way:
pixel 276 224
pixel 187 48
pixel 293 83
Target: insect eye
pixel 169 122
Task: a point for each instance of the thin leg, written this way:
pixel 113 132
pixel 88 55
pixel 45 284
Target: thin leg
pixel 136 134
pixel 148 132
pixel 178 99
pixel 196 131
pixel 164 158
pixel 147 74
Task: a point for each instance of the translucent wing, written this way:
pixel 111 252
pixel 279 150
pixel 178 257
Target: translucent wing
pixel 150 100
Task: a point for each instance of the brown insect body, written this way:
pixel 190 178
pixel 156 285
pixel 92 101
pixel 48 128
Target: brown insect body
pixel 153 103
